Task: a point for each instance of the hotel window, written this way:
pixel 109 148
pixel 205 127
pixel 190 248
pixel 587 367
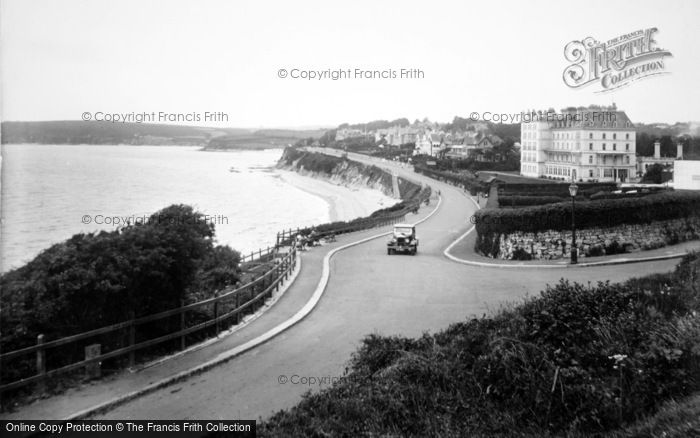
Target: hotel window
pixel 614 136
pixel 628 159
pixel 603 146
pixel 590 146
pixel 607 173
pixel 627 147
pixel 590 135
pixel 627 136
pixel 590 173
pixel 614 146
pixel 603 136
pixel 590 159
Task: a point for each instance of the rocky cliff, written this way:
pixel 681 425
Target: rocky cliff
pixel 345 172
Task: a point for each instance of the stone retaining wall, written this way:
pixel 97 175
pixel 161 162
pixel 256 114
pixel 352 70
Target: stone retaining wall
pixel 548 245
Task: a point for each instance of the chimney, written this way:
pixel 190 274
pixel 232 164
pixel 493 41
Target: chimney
pixel 657 149
pixel 679 151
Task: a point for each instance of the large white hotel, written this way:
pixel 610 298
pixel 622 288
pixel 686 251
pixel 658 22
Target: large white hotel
pixel 581 144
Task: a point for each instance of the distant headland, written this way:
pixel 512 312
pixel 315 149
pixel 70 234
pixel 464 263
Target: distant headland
pixel 101 133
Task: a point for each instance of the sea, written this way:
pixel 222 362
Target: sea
pixel 51 192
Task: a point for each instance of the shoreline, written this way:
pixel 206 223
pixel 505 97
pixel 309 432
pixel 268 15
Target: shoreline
pixel 344 202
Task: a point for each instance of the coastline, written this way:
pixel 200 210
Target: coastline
pixel 344 202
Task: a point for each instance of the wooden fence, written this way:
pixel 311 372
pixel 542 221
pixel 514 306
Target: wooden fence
pixel 227 306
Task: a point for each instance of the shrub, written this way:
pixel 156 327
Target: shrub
pixel 521 254
pixel 97 279
pixel 595 251
pixel 614 247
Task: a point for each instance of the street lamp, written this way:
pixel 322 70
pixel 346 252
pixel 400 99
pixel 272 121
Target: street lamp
pixel 573 188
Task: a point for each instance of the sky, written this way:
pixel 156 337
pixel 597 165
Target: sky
pixel 60 59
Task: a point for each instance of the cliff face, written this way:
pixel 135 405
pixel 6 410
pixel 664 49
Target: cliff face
pixel 341 171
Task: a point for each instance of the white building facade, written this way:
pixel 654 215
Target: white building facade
pixel 580 144
pixel 686 174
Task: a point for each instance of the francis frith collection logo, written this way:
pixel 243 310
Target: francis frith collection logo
pixel 614 63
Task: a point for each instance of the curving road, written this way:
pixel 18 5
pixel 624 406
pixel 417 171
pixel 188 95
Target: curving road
pixel 368 292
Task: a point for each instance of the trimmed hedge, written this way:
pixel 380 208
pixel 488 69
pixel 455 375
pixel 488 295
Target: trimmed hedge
pixel 602 213
pixel 520 201
pixel 561 189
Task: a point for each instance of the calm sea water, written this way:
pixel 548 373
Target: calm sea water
pixel 49 190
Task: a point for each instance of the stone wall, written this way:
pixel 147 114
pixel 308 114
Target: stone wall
pixel 548 245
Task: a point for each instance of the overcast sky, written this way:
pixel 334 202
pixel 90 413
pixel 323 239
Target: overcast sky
pixel 62 58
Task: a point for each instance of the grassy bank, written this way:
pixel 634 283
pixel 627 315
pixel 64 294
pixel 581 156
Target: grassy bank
pixel 578 360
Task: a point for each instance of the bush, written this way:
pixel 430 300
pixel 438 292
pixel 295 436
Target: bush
pixel 521 254
pixel 97 279
pixel 595 251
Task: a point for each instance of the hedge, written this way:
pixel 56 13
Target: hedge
pixel 602 213
pixel 554 189
pixel 519 201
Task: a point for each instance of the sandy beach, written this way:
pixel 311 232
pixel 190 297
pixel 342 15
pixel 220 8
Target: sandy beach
pixel 344 203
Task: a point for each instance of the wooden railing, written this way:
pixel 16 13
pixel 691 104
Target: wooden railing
pixel 226 306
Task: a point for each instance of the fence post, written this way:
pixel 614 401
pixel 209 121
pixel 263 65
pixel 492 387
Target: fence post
pixel 277 276
pixel 41 363
pixel 182 324
pixel 132 339
pixel 93 370
pixel 216 313
pixel 238 304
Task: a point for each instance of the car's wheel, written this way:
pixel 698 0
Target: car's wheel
pixel 389 251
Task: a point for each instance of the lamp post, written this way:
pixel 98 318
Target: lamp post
pixel 573 188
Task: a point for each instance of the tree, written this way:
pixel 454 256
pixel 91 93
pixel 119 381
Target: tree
pixel 97 279
pixel 654 174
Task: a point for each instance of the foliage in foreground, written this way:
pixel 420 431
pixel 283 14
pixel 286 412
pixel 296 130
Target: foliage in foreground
pixel 97 279
pixel 578 359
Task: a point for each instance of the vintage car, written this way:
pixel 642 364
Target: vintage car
pixel 403 240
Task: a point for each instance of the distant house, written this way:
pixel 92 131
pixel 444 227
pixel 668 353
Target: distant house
pixel 345 133
pixel 397 135
pixel 430 143
pixel 472 145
